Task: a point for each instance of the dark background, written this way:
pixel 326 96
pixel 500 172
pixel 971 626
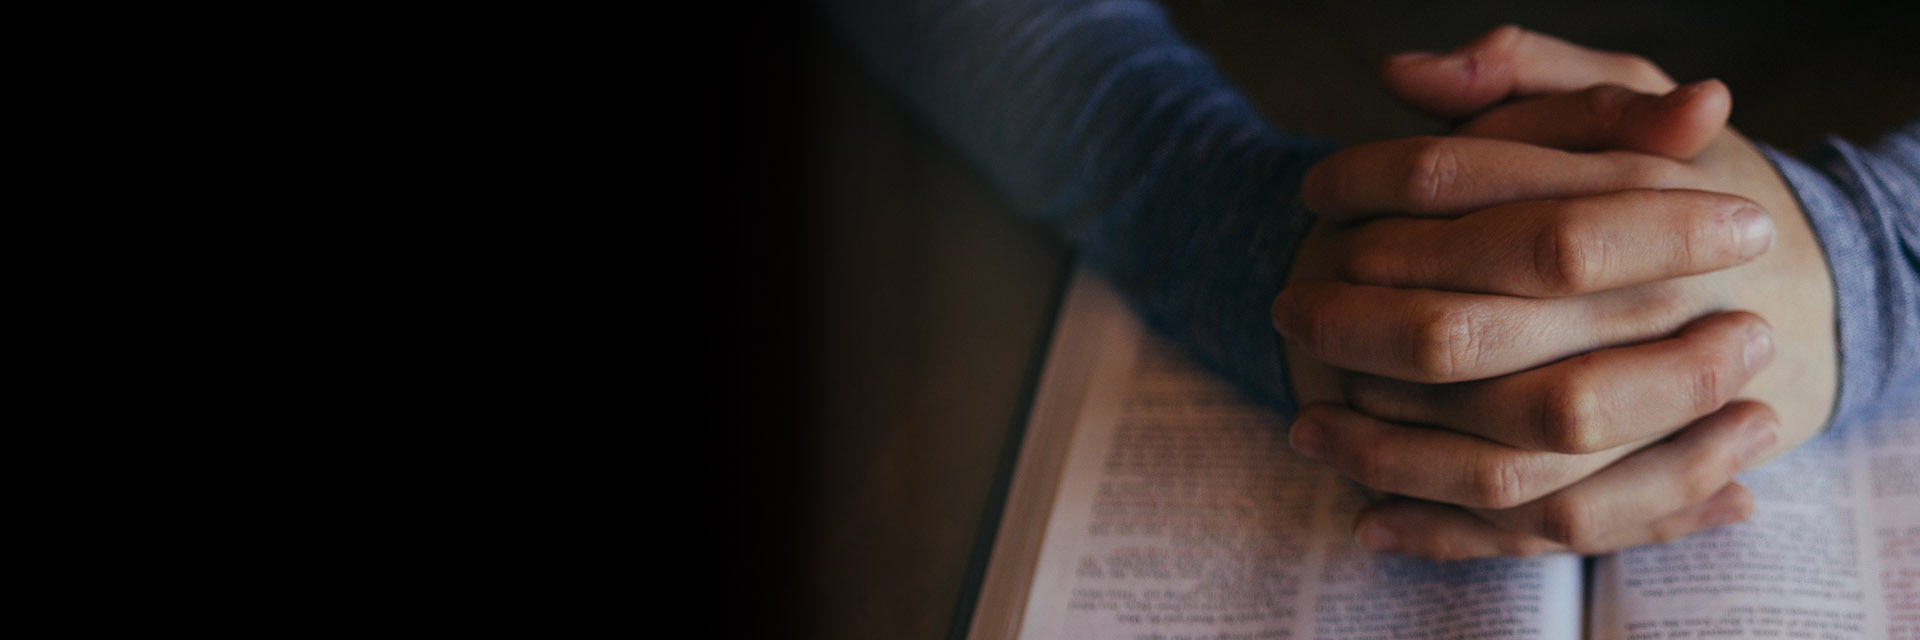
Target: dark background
pixel 871 310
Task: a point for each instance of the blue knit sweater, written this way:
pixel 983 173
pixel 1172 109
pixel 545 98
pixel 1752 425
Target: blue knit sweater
pixel 1097 116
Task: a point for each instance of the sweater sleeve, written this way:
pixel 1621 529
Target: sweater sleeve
pixel 1864 204
pixel 1095 116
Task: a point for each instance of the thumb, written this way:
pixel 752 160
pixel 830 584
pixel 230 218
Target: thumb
pixel 1510 62
pixel 1610 117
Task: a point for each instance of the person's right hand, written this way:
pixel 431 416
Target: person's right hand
pixel 1551 451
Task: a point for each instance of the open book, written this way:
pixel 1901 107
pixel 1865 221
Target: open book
pixel 1150 501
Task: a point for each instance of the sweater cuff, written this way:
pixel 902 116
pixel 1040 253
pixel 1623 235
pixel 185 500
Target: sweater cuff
pixel 1855 210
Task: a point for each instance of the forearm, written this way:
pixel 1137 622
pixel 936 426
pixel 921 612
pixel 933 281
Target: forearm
pixel 1864 204
pixel 1096 117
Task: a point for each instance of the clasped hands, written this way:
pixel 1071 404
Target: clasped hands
pixel 1567 325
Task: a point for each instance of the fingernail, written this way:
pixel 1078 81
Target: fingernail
pixel 1680 95
pixel 1284 309
pixel 1454 63
pixel 1759 348
pixel 1761 434
pixel 1752 232
pixel 1726 514
pixel 1308 440
pixel 1376 537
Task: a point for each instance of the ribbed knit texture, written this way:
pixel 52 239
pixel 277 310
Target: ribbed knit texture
pixel 1097 117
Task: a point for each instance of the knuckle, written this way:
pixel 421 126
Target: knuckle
pixel 1305 314
pixel 1707 470
pixel 1661 308
pixel 1432 169
pixel 1607 107
pixel 1372 264
pixel 1569 417
pixel 1317 325
pixel 1365 468
pixel 1700 242
pixel 1498 483
pixel 1503 41
pixel 1569 521
pixel 1446 343
pixel 1364 394
pixel 1669 530
pixel 1567 257
pixel 1701 391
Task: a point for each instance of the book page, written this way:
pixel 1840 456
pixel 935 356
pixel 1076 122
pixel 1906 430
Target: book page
pixel 1182 513
pixel 1833 550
